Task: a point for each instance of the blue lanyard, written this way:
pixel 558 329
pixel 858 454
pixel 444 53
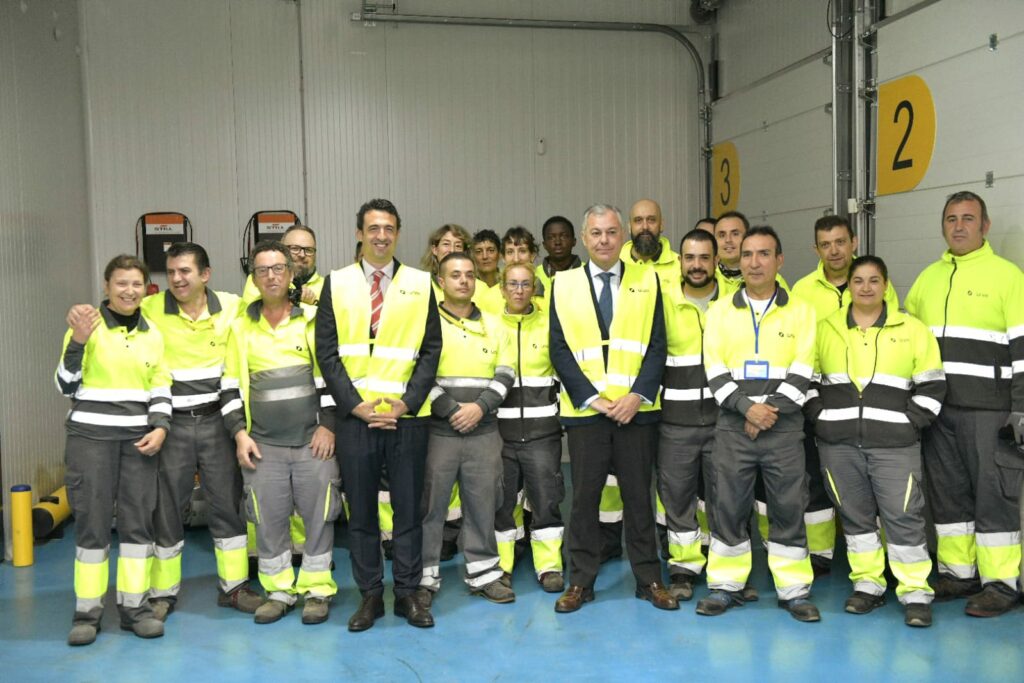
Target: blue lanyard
pixel 757 325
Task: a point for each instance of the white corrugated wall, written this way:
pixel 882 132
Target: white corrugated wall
pixel 445 121
pixel 777 120
pixel 978 95
pixel 44 245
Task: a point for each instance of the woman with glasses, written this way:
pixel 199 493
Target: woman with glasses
pixel 880 383
pixel 276 407
pixel 112 370
pixel 531 435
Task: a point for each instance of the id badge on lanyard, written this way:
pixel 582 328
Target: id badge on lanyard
pixel 756 368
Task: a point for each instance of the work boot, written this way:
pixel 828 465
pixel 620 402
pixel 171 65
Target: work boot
pixel 496 592
pixel 717 602
pixel 82 634
pixel 370 609
pixel 801 609
pixel 749 593
pixel 270 611
pixel 918 614
pixel 448 550
pixel 950 588
pixel 862 603
pixel 243 599
pixel 506 579
pixel 552 582
pixel 681 586
pixel 161 608
pixel 994 599
pixel 148 627
pixel 315 610
pixel 425 596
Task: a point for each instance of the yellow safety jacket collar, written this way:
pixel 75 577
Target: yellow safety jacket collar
pixel 112 322
pixel 171 306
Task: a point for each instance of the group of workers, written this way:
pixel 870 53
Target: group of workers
pixel 407 398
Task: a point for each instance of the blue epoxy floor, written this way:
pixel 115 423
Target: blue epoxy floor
pixel 617 637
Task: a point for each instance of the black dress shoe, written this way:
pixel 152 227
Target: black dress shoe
pixel 370 609
pixel 414 611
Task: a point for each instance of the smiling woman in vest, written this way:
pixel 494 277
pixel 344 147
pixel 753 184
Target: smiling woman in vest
pixel 880 383
pixel 531 433
pixel 112 369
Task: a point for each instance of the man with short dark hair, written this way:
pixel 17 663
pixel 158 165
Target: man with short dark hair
pixel 973 300
pixel 759 357
pixel 473 377
pixel 559 238
pixel 730 229
pixel 300 240
pixel 688 411
pixel 378 343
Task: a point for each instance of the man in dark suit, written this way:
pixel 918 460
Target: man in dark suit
pixel 610 356
pixel 378 344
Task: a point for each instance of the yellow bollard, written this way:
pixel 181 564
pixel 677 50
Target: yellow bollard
pixel 49 512
pixel 21 524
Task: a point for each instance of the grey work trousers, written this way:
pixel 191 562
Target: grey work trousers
pixel 867 484
pixel 474 461
pixel 684 456
pixel 973 480
pixel 198 443
pixel 538 465
pixel 779 457
pixel 98 474
pixel 287 479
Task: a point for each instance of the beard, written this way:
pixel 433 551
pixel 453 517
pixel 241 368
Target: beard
pixel 690 275
pixel 646 244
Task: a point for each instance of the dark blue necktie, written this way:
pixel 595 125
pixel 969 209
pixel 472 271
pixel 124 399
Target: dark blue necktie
pixel 604 302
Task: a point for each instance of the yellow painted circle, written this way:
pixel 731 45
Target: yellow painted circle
pixel 725 178
pixel 906 134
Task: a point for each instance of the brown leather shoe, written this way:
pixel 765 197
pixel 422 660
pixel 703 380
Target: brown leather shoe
pixel 573 598
pixel 657 595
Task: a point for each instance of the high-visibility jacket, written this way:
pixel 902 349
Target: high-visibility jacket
pixel 879 387
pixel 727 286
pixel 250 293
pixel 381 366
pixel 785 341
pixel 530 411
pixel 117 381
pixel 274 370
pixel 974 304
pixel 667 265
pixel 686 398
pixel 826 298
pixel 476 366
pixel 194 350
pixel 628 336
pixel 487 298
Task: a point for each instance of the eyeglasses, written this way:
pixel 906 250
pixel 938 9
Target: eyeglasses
pixel 297 250
pixel 513 285
pixel 263 271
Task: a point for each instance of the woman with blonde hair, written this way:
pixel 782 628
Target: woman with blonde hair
pixel 443 241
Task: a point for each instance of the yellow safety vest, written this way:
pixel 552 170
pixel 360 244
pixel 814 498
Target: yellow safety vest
pixel 194 350
pixel 381 367
pixel 686 399
pixel 629 335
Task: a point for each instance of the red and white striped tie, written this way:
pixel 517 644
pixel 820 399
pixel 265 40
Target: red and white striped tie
pixel 376 301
